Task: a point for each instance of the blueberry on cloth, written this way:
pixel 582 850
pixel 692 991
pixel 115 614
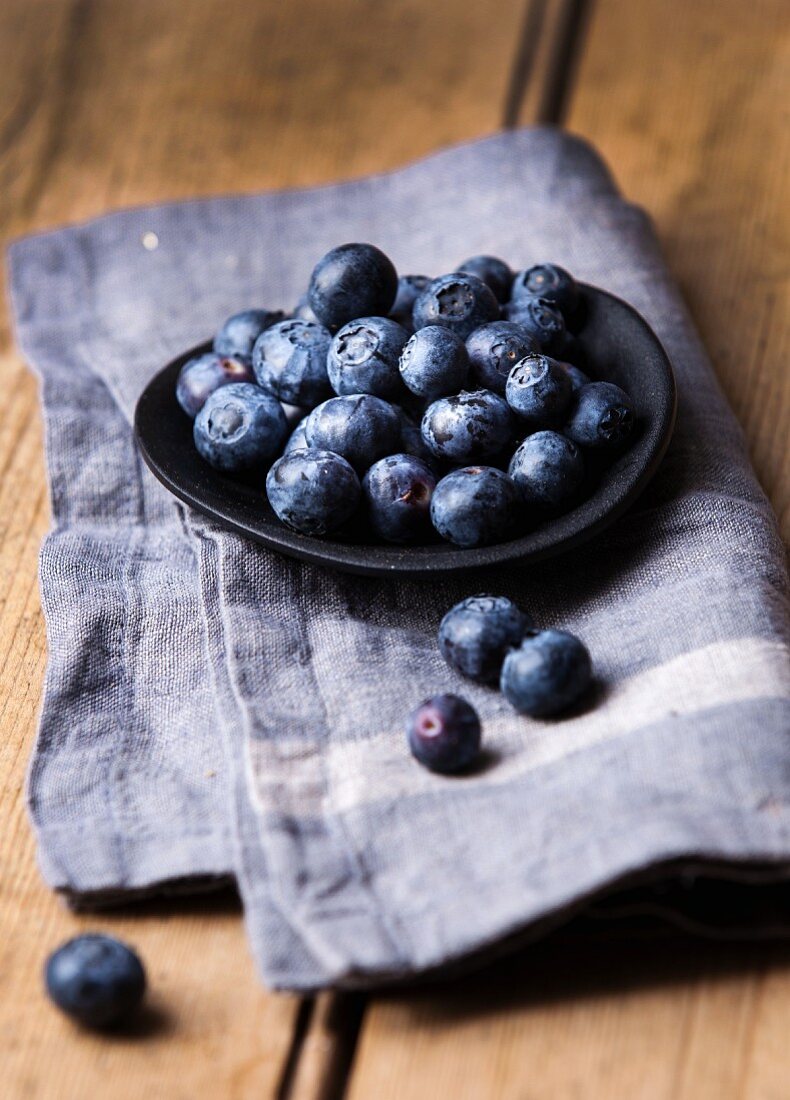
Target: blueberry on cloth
pixel 475 506
pixel 549 671
pixel 240 427
pixel 313 491
pixel 352 280
pixel 444 733
pixel 475 635
pixel 201 376
pixel 95 979
pixel 459 302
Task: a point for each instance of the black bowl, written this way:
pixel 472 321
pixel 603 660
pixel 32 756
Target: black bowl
pixel 617 344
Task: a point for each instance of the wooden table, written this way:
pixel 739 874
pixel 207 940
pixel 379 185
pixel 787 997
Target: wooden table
pixel 104 103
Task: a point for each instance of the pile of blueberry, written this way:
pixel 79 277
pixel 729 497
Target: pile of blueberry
pixel 423 405
pixel 489 639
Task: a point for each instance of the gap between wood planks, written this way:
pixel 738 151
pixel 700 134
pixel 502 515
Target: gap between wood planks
pixel 320 1061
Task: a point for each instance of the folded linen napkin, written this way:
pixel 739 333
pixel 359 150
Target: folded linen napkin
pixel 212 708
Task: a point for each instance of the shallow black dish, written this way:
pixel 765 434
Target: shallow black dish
pixel 618 345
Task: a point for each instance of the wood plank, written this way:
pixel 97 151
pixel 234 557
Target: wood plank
pixel 108 103
pixel 683 100
pixel 689 105
pixel 673 1020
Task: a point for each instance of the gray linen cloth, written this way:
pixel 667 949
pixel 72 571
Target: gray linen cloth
pixel 212 709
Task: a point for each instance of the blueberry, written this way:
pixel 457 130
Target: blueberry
pixel 444 734
pixel 297 440
pixel 434 362
pixel 359 427
pixel 199 377
pixel 548 470
pixel 542 320
pixel 410 287
pixel 459 302
pixel 550 282
pixel 539 390
pixel 364 355
pixel 303 311
pixel 549 672
pixel 289 360
pixel 577 377
pixel 313 491
pixel 601 416
pixel 475 635
pixel 353 280
pixel 95 979
pixel 398 490
pixel 494 272
pixel 239 427
pixel 411 441
pixel 468 427
pixel 475 506
pixel 494 349
pixel 237 336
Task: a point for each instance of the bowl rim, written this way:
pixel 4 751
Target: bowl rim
pixel 205 490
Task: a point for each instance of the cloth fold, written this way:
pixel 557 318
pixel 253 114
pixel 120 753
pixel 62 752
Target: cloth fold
pixel 212 709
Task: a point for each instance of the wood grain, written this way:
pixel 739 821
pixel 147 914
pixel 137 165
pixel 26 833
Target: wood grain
pixel 690 104
pixel 104 103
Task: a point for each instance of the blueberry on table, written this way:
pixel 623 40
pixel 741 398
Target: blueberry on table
pixel 475 506
pixel 494 349
pixel 550 282
pixel 475 635
pixel 548 470
pixel 601 416
pixel 360 427
pixel 289 360
pixel 468 427
pixel 410 287
pixel 539 391
pixel 240 427
pixel 549 671
pixel 363 358
pixel 200 377
pixel 352 280
pixel 398 491
pixel 95 979
pixel 313 491
pixel 459 302
pixel 494 272
pixel 542 320
pixel 238 335
pixel 434 362
pixel 444 734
